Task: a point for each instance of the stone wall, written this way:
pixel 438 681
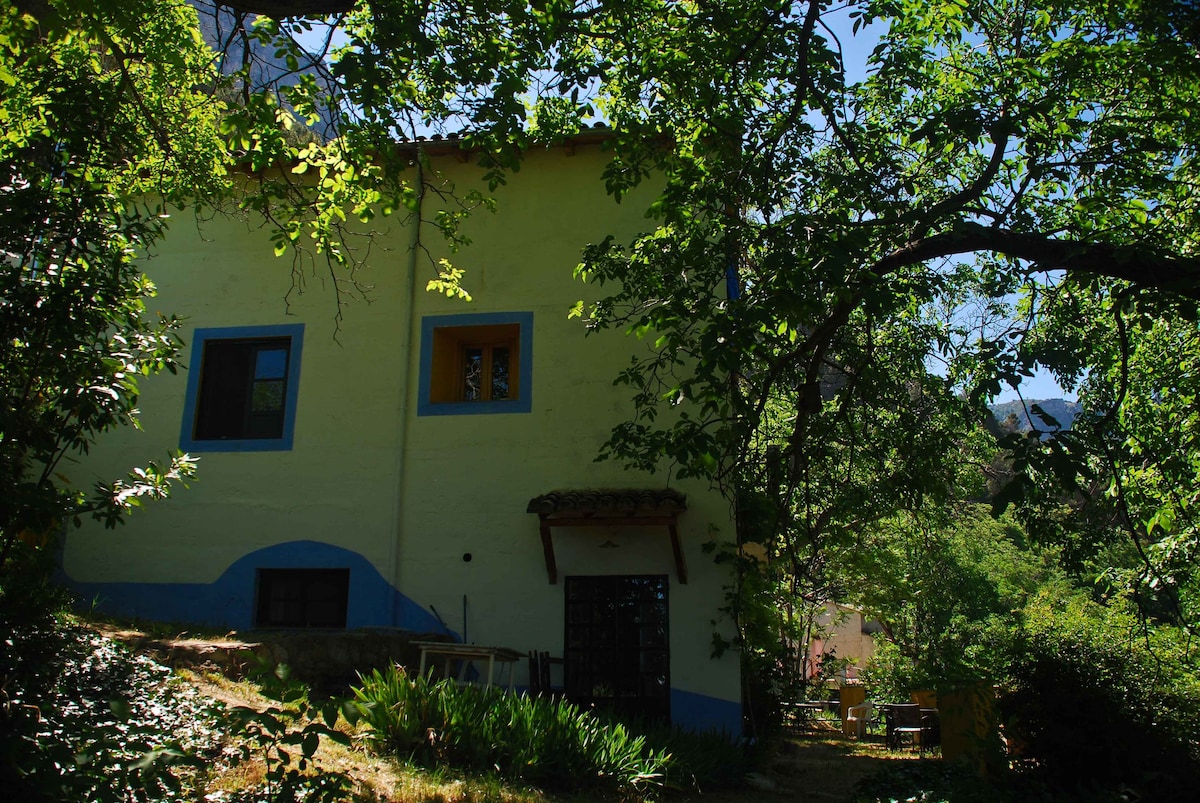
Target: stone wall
pixel 323 659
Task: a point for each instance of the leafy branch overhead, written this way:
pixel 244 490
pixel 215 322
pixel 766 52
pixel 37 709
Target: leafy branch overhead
pixel 107 121
pixel 863 220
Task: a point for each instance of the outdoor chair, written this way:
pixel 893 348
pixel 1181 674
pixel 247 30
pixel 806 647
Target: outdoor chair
pixel 861 718
pixel 539 674
pixel 903 725
pixel 931 730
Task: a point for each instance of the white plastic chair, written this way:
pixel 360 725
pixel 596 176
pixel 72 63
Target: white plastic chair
pixel 861 716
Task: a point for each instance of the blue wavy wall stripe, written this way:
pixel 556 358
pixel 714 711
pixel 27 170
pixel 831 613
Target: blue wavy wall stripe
pixel 229 601
pixel 699 712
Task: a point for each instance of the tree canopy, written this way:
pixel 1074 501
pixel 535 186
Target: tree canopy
pixel 106 117
pixel 868 218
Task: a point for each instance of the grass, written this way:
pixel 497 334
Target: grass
pixel 818 766
pixel 375 779
pixel 828 766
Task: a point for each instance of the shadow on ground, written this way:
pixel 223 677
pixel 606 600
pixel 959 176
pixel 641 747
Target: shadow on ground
pixel 826 766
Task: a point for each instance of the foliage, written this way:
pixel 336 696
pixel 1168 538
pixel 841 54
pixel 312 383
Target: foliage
pixel 880 226
pixel 532 739
pixel 1097 702
pixel 285 738
pixel 947 588
pixel 104 122
pixel 1094 699
pixel 81 718
pixel 1129 468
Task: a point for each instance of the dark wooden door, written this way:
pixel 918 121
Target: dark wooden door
pixel 617 655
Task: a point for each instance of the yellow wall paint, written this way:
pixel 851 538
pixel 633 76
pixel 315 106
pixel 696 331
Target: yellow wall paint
pixel 463 481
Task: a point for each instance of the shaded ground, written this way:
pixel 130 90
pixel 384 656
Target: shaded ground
pixel 818 765
pixel 826 766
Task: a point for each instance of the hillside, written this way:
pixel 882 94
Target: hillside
pixel 1061 410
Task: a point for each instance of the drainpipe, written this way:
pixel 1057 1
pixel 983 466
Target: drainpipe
pixel 411 369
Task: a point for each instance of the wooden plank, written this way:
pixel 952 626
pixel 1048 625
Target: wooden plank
pixel 677 548
pixel 548 552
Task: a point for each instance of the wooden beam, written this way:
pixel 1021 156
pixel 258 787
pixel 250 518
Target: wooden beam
pixel 548 552
pixel 680 563
pixel 670 522
pixel 609 521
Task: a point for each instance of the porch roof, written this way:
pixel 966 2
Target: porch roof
pixel 606 502
pixel 609 507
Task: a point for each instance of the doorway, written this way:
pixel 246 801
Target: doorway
pixel 617 654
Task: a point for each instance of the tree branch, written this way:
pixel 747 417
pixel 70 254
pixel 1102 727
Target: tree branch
pixel 1142 266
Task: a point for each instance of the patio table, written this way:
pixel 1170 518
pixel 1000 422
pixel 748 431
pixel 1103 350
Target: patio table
pixel 465 654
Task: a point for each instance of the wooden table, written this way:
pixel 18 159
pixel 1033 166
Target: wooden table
pixel 803 714
pixel 465 654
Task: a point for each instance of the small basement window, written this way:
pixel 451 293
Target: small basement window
pixel 302 598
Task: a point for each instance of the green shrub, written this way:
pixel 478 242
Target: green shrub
pixel 531 739
pixel 286 738
pixel 82 719
pixel 932 782
pixel 890 676
pixel 1098 702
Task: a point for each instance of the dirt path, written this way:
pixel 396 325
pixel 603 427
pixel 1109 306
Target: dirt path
pixel 822 766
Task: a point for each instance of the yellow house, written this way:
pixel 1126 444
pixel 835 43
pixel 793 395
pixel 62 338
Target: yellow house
pixel 426 463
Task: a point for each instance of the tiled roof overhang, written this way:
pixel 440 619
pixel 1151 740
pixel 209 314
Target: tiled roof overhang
pixel 610 502
pixel 609 507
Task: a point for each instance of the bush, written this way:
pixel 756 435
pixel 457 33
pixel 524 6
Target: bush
pixel 81 718
pixel 890 676
pixel 531 739
pixel 931 782
pixel 1098 702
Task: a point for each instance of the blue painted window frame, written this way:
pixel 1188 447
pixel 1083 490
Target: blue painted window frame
pixel 524 401
pixel 200 338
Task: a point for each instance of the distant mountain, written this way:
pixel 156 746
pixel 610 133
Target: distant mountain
pixel 1061 410
pixel 223 28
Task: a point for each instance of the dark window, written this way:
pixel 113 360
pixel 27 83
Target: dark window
pixel 302 597
pixel 243 389
pixel 617 653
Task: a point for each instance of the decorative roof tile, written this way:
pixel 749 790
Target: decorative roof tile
pixel 609 502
